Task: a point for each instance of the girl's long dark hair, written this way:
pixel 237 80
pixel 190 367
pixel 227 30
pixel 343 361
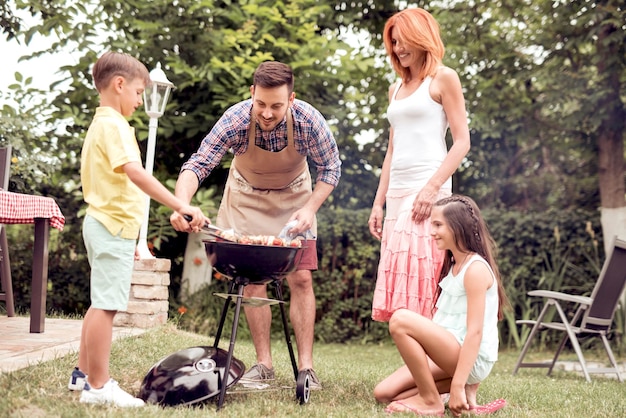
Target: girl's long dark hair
pixel 470 234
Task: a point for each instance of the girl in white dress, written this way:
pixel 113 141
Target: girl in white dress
pixel 456 350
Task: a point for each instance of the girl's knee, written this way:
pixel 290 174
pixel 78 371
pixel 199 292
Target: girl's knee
pixel 398 315
pixel 399 319
pixel 381 394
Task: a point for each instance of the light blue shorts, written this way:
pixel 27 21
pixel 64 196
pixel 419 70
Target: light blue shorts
pixel 480 371
pixel 111 259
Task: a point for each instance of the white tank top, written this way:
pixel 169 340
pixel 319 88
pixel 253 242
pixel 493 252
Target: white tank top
pixel 419 138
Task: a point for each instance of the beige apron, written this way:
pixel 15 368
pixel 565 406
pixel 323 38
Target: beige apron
pixel 265 188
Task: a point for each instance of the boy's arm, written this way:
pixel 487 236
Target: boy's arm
pixel 153 188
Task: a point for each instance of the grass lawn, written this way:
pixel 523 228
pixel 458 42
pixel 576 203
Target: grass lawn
pixel 348 374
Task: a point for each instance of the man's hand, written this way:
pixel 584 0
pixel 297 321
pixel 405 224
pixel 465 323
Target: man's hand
pixel 304 218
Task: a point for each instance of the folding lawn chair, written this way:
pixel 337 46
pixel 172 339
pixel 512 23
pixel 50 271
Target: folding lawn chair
pixel 593 316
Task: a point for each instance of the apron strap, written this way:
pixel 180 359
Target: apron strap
pixel 290 140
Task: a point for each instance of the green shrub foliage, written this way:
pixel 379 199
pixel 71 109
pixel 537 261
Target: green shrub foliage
pixel 68 267
pixel 555 249
pixel 344 283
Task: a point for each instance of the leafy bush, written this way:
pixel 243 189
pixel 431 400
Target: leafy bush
pixel 549 250
pixel 68 268
pixel 344 283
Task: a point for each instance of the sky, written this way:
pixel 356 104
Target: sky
pixel 44 70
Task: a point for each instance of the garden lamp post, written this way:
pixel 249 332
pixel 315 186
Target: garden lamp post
pixel 155 98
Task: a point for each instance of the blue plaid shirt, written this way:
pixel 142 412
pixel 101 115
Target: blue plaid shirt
pixel 312 137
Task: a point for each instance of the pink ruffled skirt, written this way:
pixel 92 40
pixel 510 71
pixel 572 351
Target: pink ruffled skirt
pixel 410 262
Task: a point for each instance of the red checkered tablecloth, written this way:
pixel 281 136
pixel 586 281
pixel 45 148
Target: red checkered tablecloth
pixel 18 208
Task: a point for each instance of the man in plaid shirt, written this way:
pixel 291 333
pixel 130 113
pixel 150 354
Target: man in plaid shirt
pixel 269 185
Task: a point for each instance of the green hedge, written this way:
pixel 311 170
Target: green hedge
pixel 550 250
pixel 68 268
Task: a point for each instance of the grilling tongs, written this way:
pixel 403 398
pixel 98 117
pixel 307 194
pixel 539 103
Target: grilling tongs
pixel 216 232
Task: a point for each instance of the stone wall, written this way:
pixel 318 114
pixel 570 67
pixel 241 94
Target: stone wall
pixel 148 302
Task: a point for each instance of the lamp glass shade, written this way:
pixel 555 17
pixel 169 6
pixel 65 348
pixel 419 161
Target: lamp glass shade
pixel 155 96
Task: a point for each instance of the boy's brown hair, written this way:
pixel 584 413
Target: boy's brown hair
pixel 112 64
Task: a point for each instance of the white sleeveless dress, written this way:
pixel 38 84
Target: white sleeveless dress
pixel 410 262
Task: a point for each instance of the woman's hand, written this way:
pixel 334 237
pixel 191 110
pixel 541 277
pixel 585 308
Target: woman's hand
pixel 423 203
pixel 375 222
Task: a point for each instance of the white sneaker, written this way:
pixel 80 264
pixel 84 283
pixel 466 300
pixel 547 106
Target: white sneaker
pixel 110 394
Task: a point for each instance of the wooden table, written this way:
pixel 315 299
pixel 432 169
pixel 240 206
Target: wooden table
pixel 43 212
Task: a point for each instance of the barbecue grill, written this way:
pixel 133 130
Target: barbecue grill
pixel 248 264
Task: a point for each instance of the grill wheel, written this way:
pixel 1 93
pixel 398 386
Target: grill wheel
pixel 303 387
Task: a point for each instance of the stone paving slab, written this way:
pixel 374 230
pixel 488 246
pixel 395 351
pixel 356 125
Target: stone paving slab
pixel 19 348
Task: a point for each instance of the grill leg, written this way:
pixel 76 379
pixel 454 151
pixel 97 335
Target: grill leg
pixel 218 335
pixel 278 293
pixel 231 348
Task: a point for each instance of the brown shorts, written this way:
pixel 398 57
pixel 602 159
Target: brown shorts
pixel 309 256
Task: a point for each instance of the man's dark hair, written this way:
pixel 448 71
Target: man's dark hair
pixel 270 74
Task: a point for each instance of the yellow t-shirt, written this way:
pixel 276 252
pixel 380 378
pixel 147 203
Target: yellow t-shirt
pixel 113 198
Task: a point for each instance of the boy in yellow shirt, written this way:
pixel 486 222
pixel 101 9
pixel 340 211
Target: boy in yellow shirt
pixel 114 182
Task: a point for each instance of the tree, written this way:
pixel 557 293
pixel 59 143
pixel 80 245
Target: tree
pixel 34 159
pixel 9 23
pixel 535 137
pixel 209 49
pixel 543 80
pixel 545 84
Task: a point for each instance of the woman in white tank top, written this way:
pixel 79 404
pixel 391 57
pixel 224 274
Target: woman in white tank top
pixel 418 167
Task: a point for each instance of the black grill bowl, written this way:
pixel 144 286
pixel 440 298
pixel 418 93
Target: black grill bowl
pixel 257 263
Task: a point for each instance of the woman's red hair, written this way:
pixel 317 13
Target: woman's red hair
pixel 418 29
